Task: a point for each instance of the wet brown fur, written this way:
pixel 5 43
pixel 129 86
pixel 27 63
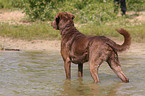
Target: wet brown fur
pixel 79 48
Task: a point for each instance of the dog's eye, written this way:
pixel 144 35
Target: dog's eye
pixel 73 17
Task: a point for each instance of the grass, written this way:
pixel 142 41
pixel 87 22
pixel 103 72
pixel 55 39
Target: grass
pixel 44 31
pixel 29 32
pixel 137 32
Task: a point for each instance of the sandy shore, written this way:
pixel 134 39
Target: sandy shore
pixel 47 45
pixel 35 45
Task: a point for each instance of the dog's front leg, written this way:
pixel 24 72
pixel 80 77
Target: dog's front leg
pixel 67 66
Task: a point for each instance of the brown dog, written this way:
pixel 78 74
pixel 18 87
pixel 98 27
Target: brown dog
pixel 79 48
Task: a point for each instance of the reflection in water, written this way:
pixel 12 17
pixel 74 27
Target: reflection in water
pixel 42 74
pixel 79 88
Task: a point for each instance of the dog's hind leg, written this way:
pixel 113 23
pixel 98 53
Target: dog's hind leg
pixel 80 70
pixel 115 66
pixel 94 66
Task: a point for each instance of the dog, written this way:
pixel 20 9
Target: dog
pixel 79 48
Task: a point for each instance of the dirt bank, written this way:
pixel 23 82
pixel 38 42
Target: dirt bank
pixel 35 45
pixel 47 45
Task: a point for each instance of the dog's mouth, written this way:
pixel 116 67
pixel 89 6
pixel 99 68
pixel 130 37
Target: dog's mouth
pixel 54 25
pixel 55 28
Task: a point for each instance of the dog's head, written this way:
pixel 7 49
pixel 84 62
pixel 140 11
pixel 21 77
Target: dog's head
pixel 62 20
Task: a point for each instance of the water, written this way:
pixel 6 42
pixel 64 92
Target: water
pixel 42 74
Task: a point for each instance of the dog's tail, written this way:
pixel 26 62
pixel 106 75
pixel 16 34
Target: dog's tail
pixel 125 45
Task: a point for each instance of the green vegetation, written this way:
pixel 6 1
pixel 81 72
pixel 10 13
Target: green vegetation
pixel 93 17
pixel 45 31
pixel 95 11
pixel 29 32
pixel 86 11
pixel 8 4
pixel 137 32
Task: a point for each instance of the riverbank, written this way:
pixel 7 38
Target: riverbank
pixel 34 45
pixel 54 45
pixel 26 36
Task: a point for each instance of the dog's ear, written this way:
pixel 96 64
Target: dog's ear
pixel 57 19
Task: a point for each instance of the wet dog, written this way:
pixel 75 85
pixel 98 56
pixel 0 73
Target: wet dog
pixel 79 48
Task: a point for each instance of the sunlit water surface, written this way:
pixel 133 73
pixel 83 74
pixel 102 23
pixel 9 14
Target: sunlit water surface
pixel 42 74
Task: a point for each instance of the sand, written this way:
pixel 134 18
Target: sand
pixel 47 45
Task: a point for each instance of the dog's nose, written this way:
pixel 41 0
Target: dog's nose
pixel 49 22
pixel 52 23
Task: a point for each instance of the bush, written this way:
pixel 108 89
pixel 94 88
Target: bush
pixel 39 9
pixel 97 13
pixel 136 5
pixel 85 10
pixel 11 4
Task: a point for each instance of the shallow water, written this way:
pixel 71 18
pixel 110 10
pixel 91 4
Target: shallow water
pixel 42 74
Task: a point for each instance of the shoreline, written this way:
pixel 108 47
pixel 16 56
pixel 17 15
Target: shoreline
pixel 34 45
pixel 54 45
